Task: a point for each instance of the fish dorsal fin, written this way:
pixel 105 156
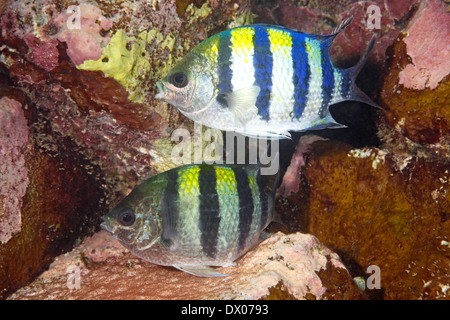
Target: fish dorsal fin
pixel 327 40
pixel 200 271
pixel 242 103
pixel 344 24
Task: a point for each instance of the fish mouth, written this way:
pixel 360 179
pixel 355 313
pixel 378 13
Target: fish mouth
pixel 162 92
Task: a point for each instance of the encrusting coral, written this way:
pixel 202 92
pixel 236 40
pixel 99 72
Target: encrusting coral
pixel 83 75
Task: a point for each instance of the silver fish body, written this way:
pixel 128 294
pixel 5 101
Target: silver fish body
pixel 262 80
pixel 194 217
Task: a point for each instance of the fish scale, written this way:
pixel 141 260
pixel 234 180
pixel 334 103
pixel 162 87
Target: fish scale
pixel 194 216
pixel 263 80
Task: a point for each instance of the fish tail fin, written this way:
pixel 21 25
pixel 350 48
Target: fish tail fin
pixel 350 74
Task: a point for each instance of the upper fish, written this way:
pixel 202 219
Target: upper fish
pixel 194 216
pixel 263 81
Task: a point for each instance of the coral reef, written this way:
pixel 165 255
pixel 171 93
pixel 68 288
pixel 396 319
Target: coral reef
pixel 111 110
pixel 94 135
pixel 430 25
pixel 418 121
pixel 84 29
pixel 321 17
pixel 373 209
pixel 79 128
pixel 295 265
pixel 13 170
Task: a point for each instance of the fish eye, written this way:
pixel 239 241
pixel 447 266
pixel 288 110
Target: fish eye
pixel 179 79
pixel 126 217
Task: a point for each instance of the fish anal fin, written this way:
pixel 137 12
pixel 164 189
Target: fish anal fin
pixel 327 123
pixel 200 271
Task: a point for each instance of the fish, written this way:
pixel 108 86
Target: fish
pixel 263 81
pixel 194 217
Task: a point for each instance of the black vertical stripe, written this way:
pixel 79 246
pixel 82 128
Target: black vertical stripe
pixel 170 208
pixel 264 205
pixel 302 74
pixel 209 210
pixel 263 64
pixel 327 77
pixel 246 205
pixel 224 63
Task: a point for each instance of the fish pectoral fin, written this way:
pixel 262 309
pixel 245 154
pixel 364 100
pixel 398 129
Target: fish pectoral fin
pixel 242 103
pixel 200 271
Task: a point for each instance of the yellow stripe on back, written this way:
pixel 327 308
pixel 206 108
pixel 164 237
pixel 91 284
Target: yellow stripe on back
pixel 226 181
pixel 242 39
pixel 188 181
pixel 282 95
pixel 313 49
pixel 280 41
pixel 189 212
pixel 314 100
pixel 229 211
pixel 242 51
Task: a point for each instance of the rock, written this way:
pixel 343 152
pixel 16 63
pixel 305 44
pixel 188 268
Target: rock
pixel 50 194
pixel 415 90
pixel 376 208
pixel 322 17
pixel 92 70
pixel 430 63
pixel 93 135
pixel 294 265
pixel 14 180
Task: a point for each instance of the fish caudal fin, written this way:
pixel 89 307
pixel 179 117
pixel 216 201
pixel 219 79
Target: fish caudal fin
pixel 350 74
pixel 200 271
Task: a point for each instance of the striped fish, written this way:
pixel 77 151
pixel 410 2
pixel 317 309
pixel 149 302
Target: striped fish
pixel 194 217
pixel 262 81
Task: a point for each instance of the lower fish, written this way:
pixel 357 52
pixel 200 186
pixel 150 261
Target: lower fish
pixel 194 217
pixel 263 81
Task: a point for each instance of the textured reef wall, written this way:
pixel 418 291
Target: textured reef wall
pixel 79 127
pixel 387 205
pixel 83 74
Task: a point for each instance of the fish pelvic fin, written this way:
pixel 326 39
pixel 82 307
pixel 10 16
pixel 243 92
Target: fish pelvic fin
pixel 200 271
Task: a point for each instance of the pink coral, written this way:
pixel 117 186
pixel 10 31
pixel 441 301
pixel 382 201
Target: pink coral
pixel 43 53
pixel 84 29
pixel 13 169
pixel 428 46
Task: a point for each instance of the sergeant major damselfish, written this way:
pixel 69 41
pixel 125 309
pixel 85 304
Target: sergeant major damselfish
pixel 263 81
pixel 194 217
